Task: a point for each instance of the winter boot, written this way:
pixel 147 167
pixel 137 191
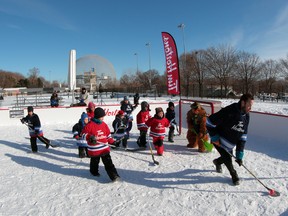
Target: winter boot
pixel 116 179
pixel 171 136
pixel 124 143
pixel 218 166
pixel 235 179
pixel 81 152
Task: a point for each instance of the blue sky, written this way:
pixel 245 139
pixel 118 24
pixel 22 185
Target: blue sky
pixel 40 33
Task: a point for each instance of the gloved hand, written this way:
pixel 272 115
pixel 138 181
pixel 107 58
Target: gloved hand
pixel 22 120
pixel 77 137
pixel 92 139
pixel 215 140
pixel 116 143
pixel 239 162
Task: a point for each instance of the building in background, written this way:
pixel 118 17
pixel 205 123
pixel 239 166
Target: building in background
pixel 93 70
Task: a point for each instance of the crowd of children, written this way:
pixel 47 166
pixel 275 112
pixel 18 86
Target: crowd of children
pixel 94 139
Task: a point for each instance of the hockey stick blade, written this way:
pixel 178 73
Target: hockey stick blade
pixel 273 193
pixel 156 162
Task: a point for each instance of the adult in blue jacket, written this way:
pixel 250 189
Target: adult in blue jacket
pixel 228 128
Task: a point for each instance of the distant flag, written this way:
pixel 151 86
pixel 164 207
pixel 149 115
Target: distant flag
pixel 172 64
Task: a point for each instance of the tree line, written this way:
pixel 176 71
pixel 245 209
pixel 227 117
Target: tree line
pixel 218 67
pixel 201 72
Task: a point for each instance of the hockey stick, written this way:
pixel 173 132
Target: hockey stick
pixel 208 146
pixel 272 192
pixel 155 162
pixel 42 138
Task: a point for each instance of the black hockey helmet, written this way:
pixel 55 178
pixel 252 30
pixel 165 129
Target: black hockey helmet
pixel 144 104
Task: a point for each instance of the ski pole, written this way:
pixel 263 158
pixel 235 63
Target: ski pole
pixel 272 192
pixel 155 162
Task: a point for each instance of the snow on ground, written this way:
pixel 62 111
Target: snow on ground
pixel 56 182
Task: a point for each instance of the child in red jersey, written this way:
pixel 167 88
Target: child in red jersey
pixel 90 110
pixel 142 117
pixel 158 124
pixel 97 134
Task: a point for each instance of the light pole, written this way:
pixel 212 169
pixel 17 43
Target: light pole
pixel 50 77
pixel 136 54
pixel 149 52
pixel 182 26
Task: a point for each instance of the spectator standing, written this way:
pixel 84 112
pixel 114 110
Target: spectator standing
pixel 136 99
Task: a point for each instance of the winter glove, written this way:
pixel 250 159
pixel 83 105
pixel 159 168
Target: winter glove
pixel 215 140
pixel 22 120
pixel 239 157
pixel 239 162
pixel 92 139
pixel 114 145
pixel 77 137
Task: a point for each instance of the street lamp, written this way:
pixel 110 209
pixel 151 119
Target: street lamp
pixel 182 26
pixel 136 54
pixel 149 52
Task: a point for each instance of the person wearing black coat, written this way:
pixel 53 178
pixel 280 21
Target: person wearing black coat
pixel 136 98
pixel 35 131
pixel 127 108
pixel 76 130
pixel 228 128
pixel 170 115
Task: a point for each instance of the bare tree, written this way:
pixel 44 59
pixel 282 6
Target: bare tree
pixel 247 71
pixel 196 63
pixel 9 79
pixel 220 62
pixel 33 77
pixel 284 63
pixel 185 73
pixel 270 71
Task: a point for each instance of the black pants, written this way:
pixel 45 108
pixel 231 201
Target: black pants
pixel 171 133
pixel 108 164
pixel 227 160
pixel 142 139
pixel 33 142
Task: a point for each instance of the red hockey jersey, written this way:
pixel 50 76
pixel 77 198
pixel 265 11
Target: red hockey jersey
pixel 158 127
pixel 102 135
pixel 142 117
